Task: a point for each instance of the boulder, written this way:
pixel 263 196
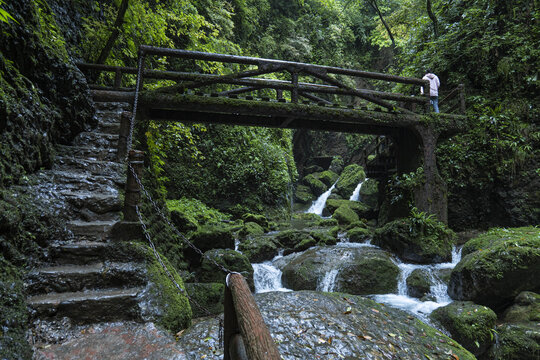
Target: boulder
pixel 344 215
pixel 182 222
pixel 328 177
pixel 337 165
pixel 314 325
pixel 295 240
pixel 349 179
pixel 497 272
pixel 414 242
pixel 312 169
pixel 213 237
pixel 323 236
pixel 205 298
pixel 317 186
pixel 251 229
pixel 418 283
pixel 358 234
pixel 369 193
pixel 261 220
pixel 303 195
pixel 232 260
pixel 469 324
pixel 259 248
pixel 526 308
pixel 363 270
pixel 361 209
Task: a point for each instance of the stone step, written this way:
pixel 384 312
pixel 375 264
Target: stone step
pixel 109 125
pixel 85 181
pixel 96 139
pixel 91 230
pixel 112 106
pixel 94 167
pixel 88 306
pixel 97 203
pixel 88 152
pixel 85 252
pixel 73 278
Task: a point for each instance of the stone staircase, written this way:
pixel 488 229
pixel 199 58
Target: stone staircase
pixel 87 277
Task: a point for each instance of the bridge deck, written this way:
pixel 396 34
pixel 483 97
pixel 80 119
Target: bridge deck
pixel 271 113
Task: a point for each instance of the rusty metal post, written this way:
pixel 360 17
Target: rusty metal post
pixel 461 99
pixel 133 190
pixel 117 78
pixel 125 120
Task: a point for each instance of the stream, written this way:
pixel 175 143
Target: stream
pixel 267 275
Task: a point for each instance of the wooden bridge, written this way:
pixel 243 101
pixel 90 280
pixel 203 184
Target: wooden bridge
pixel 228 89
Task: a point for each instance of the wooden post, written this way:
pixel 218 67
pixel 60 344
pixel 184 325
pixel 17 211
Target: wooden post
pixel 117 78
pixel 133 190
pixel 461 99
pixel 125 124
pixel 242 317
pixel 279 94
pixel 294 91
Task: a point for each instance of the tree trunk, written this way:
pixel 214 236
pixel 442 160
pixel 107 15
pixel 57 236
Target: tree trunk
pixel 114 33
pixel 433 19
pixel 374 5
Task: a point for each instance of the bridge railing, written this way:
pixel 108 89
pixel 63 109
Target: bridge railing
pixel 325 82
pixel 454 100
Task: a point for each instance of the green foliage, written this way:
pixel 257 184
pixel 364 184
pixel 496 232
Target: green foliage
pixel 5 16
pixel 196 211
pixel 401 187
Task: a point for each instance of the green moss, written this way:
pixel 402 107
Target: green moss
pixel 196 212
pixel 176 310
pixel 261 220
pixel 328 222
pixel 206 298
pixel 418 283
pixel 258 248
pixel 250 229
pixel 230 259
pixel 497 235
pixel 349 179
pixel 358 234
pixel 344 215
pixel 323 237
pixel 328 177
pixel 303 195
pixel 317 186
pixel 516 342
pixel 359 208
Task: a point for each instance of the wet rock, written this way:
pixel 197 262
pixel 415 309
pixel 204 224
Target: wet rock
pixel 210 237
pixel 251 229
pixel 349 179
pixel 415 242
pixel 359 234
pixel 182 222
pixel 328 177
pixel 259 248
pixel 231 260
pixel 526 308
pixel 344 215
pixel 312 169
pixel 469 324
pixel 418 283
pixel 312 325
pixel 361 209
pixel 206 298
pixel 303 195
pixel 369 193
pixel 291 239
pixel 363 270
pixel 317 186
pixel 260 220
pixel 496 273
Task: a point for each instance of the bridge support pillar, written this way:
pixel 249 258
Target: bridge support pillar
pixel 416 147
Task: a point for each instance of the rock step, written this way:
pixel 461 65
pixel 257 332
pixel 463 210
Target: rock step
pixel 111 126
pixel 112 106
pixel 88 306
pixel 83 180
pixel 98 203
pixel 96 139
pixel 86 252
pixel 95 167
pixel 88 152
pixel 73 278
pixel 91 230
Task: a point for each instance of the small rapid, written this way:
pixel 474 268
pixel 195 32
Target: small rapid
pixel 318 205
pixel 356 193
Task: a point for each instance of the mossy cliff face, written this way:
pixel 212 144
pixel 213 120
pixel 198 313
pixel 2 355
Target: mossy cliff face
pixel 44 99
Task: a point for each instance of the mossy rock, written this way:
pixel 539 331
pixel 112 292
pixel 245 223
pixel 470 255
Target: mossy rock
pixel 213 237
pixel 361 209
pixel 495 274
pixel 359 234
pixel 328 222
pixel 288 239
pixel 182 222
pixel 163 302
pixel 317 186
pixel 303 220
pixel 371 273
pixel 312 169
pixel 259 248
pixel 328 177
pixel 261 220
pixel 303 195
pixel 251 229
pixel 344 215
pixel 369 193
pixel 231 260
pixel 418 283
pixel 526 308
pixel 337 165
pixel 416 242
pixel 470 324
pixel 494 236
pixel 206 298
pixel 516 341
pixel 351 176
pixel 323 237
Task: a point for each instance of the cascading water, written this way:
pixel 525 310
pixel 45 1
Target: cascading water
pixel 318 205
pixel 267 277
pixel 356 193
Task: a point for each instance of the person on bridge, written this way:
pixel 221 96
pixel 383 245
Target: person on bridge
pixel 434 84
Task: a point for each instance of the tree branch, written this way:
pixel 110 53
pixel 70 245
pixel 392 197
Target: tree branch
pixel 114 34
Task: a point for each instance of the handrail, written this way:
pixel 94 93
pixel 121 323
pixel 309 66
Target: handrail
pixel 459 92
pixel 245 333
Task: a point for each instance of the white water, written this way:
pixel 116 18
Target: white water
pixel 328 283
pixel 356 193
pixel 318 205
pixel 267 277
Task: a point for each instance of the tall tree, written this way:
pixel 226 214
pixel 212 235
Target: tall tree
pixel 375 6
pixel 114 33
pixel 433 19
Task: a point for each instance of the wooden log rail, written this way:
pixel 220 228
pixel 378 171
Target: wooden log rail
pixel 246 78
pixel 246 336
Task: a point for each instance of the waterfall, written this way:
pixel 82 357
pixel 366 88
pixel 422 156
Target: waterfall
pixel 319 204
pixel 267 277
pixel 356 193
pixel 328 283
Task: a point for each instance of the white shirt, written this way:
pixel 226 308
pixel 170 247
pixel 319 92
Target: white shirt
pixel 434 84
